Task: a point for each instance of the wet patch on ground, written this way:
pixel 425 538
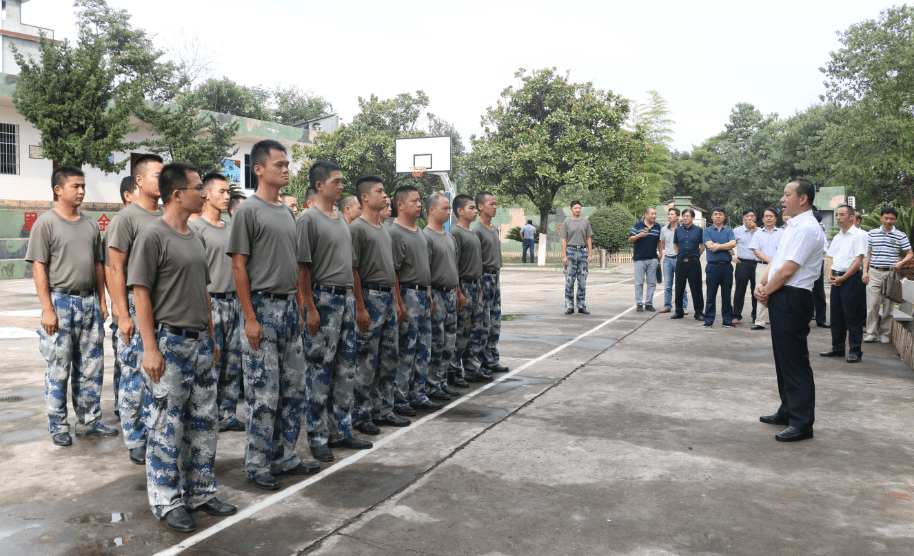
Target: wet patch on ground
pixel 515 382
pixel 475 414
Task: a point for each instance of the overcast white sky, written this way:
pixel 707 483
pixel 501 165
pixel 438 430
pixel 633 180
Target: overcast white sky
pixel 702 56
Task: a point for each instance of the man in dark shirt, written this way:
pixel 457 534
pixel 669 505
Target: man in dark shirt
pixel 719 240
pixel 689 247
pixel 645 236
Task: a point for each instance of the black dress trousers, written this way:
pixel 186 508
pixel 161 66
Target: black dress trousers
pixel 848 313
pixel 790 310
pixel 689 271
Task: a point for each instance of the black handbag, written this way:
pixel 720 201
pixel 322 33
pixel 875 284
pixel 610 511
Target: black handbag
pixel 891 286
pixel 659 273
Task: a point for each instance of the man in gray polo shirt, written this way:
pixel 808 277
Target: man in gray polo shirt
pixel 263 250
pixel 65 249
pixel 669 260
pixel 490 243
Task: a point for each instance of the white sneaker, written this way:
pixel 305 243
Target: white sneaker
pixel 884 339
pixel 869 338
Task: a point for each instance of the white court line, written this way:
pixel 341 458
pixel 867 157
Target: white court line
pixel 286 493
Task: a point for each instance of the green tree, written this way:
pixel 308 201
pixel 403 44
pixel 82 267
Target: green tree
pixel 291 105
pixel 654 118
pixel 227 97
pixel 611 227
pixel 549 132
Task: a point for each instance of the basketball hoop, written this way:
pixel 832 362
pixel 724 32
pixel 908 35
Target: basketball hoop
pixel 418 171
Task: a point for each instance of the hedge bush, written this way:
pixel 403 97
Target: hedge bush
pixel 611 226
pixel 514 233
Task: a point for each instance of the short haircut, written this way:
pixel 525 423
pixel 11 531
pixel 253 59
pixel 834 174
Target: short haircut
pixel 674 209
pixel 481 197
pixel 748 210
pixel 310 193
pixel 718 209
pixel 261 151
pixel 140 165
pixel 363 186
pixel 648 209
pixel 402 193
pixel 234 201
pixel 348 200
pixel 211 178
pixel 174 177
pixel 850 209
pixel 573 203
pixel 689 212
pixel 62 174
pixel 433 200
pixel 771 210
pixel 530 222
pixel 285 195
pixel 888 210
pixel 804 187
pixel 320 172
pixel 858 216
pixel 460 201
pixel 128 185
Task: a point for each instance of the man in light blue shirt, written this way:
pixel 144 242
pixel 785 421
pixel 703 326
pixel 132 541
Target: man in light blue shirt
pixel 528 232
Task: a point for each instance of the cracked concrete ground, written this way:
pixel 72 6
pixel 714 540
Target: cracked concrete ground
pixel 640 438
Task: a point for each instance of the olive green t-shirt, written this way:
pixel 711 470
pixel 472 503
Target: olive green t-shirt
pixel 325 246
pixel 576 232
pixel 442 258
pixel 173 267
pixel 220 266
pixel 491 246
pixel 124 228
pixel 69 249
pixel 266 233
pixel 469 258
pixel 410 251
pixel 372 252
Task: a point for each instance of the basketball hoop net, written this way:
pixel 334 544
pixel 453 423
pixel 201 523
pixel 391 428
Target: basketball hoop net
pixel 418 171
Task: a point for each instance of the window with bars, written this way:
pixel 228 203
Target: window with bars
pixel 9 149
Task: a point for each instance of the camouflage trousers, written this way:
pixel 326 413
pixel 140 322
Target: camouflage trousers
pixel 116 375
pixel 133 398
pixel 331 371
pixel 444 337
pixel 274 387
pixel 183 425
pixel 376 358
pixel 75 349
pixel 414 347
pixel 226 315
pixel 576 269
pixel 491 315
pixel 469 330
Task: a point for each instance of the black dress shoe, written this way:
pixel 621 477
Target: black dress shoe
pixel 497 368
pixel 792 434
pixel 855 358
pixel 234 426
pixel 62 439
pixel 649 307
pixel 774 419
pixel 757 327
pixel 569 311
pixel 699 316
pixel 457 381
pixel 214 507
pixel 677 316
pixel 351 443
pixel 450 391
pixel 97 429
pixel 439 394
pixel 427 404
pixel 391 421
pixel 583 311
pixel 266 482
pixel 404 409
pixel 367 427
pixel 832 353
pixel 322 453
pixel 302 469
pixel 479 377
pixel 138 455
pixel 179 520
pixel 823 324
pixel 640 308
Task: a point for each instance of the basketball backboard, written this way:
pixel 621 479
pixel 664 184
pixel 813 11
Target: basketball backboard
pixel 432 152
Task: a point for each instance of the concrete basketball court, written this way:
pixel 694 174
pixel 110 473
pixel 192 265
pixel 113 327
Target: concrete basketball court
pixel 617 433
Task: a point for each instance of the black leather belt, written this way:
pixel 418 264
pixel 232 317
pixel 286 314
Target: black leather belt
pixel 224 295
pixel 279 296
pixel 490 271
pixel 378 287
pixel 77 293
pixel 336 290
pixel 753 261
pixel 839 273
pixel 444 289
pixel 719 263
pixel 688 260
pixel 413 286
pixel 883 268
pixel 192 334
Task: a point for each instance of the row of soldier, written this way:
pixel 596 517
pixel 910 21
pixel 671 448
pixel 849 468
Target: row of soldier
pixel 342 320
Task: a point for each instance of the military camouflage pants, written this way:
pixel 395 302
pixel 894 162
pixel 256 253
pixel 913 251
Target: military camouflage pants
pixel 182 424
pixel 414 347
pixel 331 372
pixel 133 398
pixel 576 269
pixel 376 358
pixel 116 375
pixel 226 315
pixel 491 314
pixel 444 337
pixel 274 387
pixel 75 349
pixel 469 330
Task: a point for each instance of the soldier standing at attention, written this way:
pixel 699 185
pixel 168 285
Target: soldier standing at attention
pixel 324 285
pixel 226 313
pixel 169 274
pixel 128 196
pixel 234 201
pixel 410 252
pixel 352 209
pixel 378 309
pixel 65 249
pixel 490 243
pixel 447 299
pixel 577 251
pixel 263 249
pixel 291 201
pixel 122 232
pixel 466 365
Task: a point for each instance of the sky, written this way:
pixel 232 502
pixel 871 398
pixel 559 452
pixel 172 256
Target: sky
pixel 703 57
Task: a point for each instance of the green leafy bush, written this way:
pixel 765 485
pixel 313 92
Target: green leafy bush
pixel 611 226
pixel 514 233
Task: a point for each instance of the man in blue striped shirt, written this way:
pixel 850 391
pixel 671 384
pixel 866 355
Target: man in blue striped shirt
pixel 886 244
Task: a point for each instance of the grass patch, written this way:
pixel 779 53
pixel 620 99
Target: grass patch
pixel 510 317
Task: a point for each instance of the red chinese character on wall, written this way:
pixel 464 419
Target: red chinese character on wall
pixel 29 219
pixel 103 222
